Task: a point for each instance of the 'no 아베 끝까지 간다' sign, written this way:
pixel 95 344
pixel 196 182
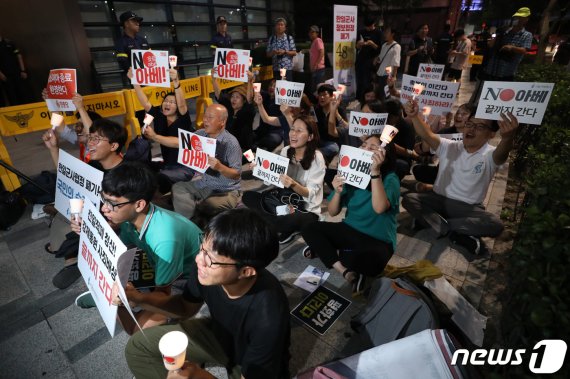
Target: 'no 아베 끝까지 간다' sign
pixel 61 85
pixel 150 68
pixel 365 124
pixel 431 71
pixel 354 166
pixel 193 150
pixel 269 167
pixel 231 64
pixel 288 93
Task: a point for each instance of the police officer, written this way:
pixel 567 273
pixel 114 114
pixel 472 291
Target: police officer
pixel 12 74
pixel 130 39
pixel 222 38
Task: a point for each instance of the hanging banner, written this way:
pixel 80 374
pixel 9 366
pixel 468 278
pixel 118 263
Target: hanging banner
pixel 61 85
pixel 344 53
pixel 231 64
pixel 288 93
pixel 431 71
pixel 366 124
pixel 150 68
pixel 269 167
pixel 525 100
pixel 193 150
pixel 438 95
pixel 354 166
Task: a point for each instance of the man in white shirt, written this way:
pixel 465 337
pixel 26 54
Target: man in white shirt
pixel 389 57
pixel 466 169
pixel 459 55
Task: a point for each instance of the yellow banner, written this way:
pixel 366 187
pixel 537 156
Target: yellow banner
pixel 476 59
pixel 224 84
pixel 344 52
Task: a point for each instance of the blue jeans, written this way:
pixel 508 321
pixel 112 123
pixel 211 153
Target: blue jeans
pixel 317 77
pixel 329 149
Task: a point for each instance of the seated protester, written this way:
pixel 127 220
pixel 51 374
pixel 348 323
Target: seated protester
pixel 362 244
pixel 270 135
pixel 171 242
pixel 329 116
pixel 404 140
pixel 104 143
pixel 168 118
pixel 218 188
pixel 304 178
pixel 247 330
pixel 240 112
pixel 425 173
pixel 465 170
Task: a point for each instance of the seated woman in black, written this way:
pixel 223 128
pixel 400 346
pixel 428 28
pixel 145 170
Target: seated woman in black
pixel 168 118
pixel 268 135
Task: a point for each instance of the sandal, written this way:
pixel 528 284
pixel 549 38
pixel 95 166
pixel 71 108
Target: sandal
pixel 47 248
pixel 357 282
pixel 307 252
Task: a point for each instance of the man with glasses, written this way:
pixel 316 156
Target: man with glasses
pixel 169 240
pixel 247 330
pixel 466 168
pixel 104 144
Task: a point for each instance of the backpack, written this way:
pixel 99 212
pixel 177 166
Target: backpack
pixel 396 308
pixel 139 150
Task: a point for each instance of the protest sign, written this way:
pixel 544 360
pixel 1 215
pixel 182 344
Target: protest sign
pixel 365 124
pixel 354 166
pixel 193 150
pixel 431 71
pixel 438 95
pixel 231 64
pixel 452 136
pixel 61 85
pixel 320 309
pixel 269 167
pixel 75 180
pixel 150 68
pixel 527 101
pixel 100 250
pixel 344 53
pixel 288 93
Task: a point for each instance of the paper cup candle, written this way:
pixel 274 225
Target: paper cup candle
pixel 75 208
pixel 341 88
pixel 256 87
pixel 388 134
pixel 426 112
pixel 388 70
pixel 249 156
pixel 172 59
pixel 56 120
pixel 418 89
pixel 173 346
pixel 283 72
pixel 147 121
pixel 250 61
pixel 336 94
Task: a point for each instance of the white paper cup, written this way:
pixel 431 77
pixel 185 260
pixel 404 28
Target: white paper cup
pixel 426 111
pixel 341 88
pixel 388 133
pixel 418 89
pixel 283 72
pixel 173 346
pixel 56 119
pixel 388 70
pixel 148 119
pixel 172 59
pixel 257 87
pixel 75 208
pixel 336 94
pixel 249 155
pixel 250 61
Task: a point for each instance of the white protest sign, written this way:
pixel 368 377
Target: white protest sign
pixel 231 64
pixel 193 150
pixel 269 167
pixel 431 71
pixel 527 101
pixel 150 68
pixel 288 93
pixel 354 166
pixel 99 251
pixel 365 124
pixel 61 85
pixel 75 180
pixel 438 95
pixel 452 136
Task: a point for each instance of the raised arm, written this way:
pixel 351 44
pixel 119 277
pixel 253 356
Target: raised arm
pixel 85 119
pixel 508 127
pixel 143 100
pixel 334 205
pixel 178 92
pixel 422 129
pixel 216 86
pixel 271 120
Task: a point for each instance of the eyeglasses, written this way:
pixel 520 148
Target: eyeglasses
pixel 170 101
pixel 96 139
pixel 478 127
pixel 112 206
pixel 210 262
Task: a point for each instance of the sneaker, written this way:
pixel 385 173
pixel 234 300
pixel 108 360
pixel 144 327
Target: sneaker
pixel 66 276
pixel 85 300
pixel 358 285
pixel 287 237
pixel 307 252
pixel 470 243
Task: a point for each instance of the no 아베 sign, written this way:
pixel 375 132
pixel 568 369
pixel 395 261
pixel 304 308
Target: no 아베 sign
pixel 150 67
pixel 289 93
pixel 193 150
pixel 354 166
pixel 365 124
pixel 431 71
pixel 231 64
pixel 527 101
pixel 269 167
pixel 61 85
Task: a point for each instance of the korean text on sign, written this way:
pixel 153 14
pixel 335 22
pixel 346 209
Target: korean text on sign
pixel 231 64
pixel 365 124
pixel 150 68
pixel 288 93
pixel 61 85
pixel 269 167
pixel 354 166
pixel 438 95
pixel 193 150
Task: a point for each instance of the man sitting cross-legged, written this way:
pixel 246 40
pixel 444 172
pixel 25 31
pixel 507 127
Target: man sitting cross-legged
pixel 465 170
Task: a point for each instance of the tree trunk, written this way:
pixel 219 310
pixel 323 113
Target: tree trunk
pixel 544 31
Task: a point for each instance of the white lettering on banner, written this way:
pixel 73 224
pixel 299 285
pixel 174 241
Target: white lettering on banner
pixel 438 95
pixel 527 101
pixel 193 150
pixel 269 167
pixel 61 86
pixel 231 64
pixel 150 67
pixel 289 93
pixel 354 166
pixel 361 123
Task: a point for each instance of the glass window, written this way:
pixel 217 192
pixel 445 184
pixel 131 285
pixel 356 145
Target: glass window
pixel 113 82
pixel 227 2
pixel 193 1
pixel 94 11
pixel 277 4
pixel 156 34
pixel 100 36
pixel 235 31
pixel 104 60
pixel 189 13
pixel 257 32
pixel 231 15
pixel 191 53
pixel 256 16
pixel 148 11
pixel 255 3
pixel 194 33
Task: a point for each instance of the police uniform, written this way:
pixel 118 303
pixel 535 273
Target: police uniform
pixel 10 67
pixel 125 44
pixel 220 40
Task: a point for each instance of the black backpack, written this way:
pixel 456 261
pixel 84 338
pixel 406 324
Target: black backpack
pixel 12 206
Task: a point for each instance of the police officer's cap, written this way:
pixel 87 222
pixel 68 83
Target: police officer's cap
pixel 128 15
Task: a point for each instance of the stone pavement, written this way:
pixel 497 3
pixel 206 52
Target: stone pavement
pixel 44 335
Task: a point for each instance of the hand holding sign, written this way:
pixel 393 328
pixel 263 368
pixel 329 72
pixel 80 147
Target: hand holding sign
pixel 338 183
pixel 412 108
pixel 378 158
pixel 508 125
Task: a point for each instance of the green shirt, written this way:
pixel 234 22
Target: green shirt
pixel 361 216
pixel 170 241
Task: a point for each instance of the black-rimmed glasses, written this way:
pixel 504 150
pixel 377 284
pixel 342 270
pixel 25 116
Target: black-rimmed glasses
pixel 210 262
pixel 107 203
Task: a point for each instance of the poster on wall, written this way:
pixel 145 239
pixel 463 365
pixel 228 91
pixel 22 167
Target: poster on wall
pixel 344 53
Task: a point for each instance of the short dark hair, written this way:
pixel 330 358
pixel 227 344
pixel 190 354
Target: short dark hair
pixel 114 132
pixel 459 33
pixel 131 179
pixel 392 107
pixel 369 20
pixel 421 26
pixel 389 164
pixel 468 107
pixel 376 106
pixel 326 88
pixel 244 236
